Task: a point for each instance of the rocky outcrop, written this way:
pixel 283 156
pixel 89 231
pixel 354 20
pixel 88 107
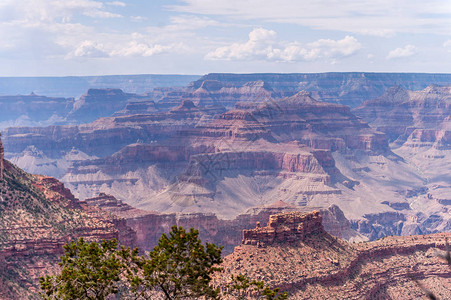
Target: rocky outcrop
pixel 310 264
pixel 284 228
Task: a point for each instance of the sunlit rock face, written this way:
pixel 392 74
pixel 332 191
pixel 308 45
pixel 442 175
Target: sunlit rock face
pixel 295 254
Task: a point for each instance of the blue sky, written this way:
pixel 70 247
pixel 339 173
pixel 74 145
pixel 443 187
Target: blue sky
pixel 88 37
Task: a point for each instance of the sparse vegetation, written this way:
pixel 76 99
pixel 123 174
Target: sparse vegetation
pixel 179 267
pixel 90 271
pixel 241 286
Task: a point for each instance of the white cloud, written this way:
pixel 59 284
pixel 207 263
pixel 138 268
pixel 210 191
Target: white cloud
pixel 341 48
pixel 406 51
pixel 88 49
pixel 259 46
pixel 135 48
pixel 264 45
pixel 380 18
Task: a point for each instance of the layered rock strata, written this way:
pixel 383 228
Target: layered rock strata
pixel 283 228
pixel 345 88
pixel 410 115
pixel 195 159
pixel 150 225
pixel 310 264
pixel 108 135
pixel 38 215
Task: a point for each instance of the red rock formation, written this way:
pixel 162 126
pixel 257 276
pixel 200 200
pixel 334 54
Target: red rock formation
pixel 310 264
pixel 150 225
pixel 282 228
pixel 38 216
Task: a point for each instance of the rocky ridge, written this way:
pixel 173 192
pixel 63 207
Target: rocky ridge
pixel 295 254
pixel 38 215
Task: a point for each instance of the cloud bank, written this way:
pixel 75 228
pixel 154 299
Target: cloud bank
pixel 264 45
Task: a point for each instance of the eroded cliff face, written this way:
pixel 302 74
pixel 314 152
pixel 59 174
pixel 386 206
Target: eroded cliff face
pixel 418 125
pixel 295 254
pixel 38 215
pixel 149 225
pixel 290 141
pixel 285 228
pixel 409 116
